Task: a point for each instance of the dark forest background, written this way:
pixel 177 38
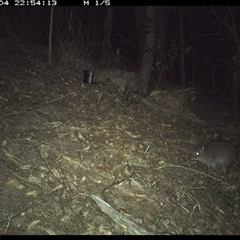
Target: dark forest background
pixel 168 46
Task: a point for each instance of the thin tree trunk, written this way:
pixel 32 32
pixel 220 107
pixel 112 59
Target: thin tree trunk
pixel 140 13
pixel 50 36
pixel 182 59
pixel 147 61
pixel 106 47
pixel 159 67
pixel 235 90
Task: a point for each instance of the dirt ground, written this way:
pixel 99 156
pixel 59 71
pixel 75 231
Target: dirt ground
pixel 81 158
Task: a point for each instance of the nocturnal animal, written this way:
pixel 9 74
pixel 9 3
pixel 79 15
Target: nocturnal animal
pixel 218 154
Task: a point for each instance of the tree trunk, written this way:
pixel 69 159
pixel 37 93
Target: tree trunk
pixel 182 59
pixel 147 61
pixel 140 13
pixel 159 67
pixel 235 90
pixel 50 36
pixel 106 47
pixel 95 31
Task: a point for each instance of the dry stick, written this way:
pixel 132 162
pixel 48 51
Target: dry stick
pixel 28 109
pixel 72 93
pixel 118 218
pixel 55 126
pixel 10 218
pixel 190 170
pixel 33 108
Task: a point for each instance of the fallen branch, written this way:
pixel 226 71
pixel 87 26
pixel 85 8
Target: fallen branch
pixel 126 224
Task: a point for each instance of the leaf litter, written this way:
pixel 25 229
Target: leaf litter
pixel 102 159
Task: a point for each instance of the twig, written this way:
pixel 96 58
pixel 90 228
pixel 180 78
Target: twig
pixel 27 109
pixel 190 169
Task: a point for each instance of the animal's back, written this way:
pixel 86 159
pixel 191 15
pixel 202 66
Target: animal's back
pixel 219 154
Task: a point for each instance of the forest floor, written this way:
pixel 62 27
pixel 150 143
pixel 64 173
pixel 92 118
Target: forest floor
pixel 80 158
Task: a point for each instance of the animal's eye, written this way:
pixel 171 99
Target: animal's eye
pixel 196 153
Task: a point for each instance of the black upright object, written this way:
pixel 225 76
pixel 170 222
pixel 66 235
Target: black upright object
pixel 88 76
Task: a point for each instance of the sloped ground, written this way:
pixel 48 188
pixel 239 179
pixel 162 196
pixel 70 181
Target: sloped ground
pixel 66 147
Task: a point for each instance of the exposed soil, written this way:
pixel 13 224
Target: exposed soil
pixel 65 143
